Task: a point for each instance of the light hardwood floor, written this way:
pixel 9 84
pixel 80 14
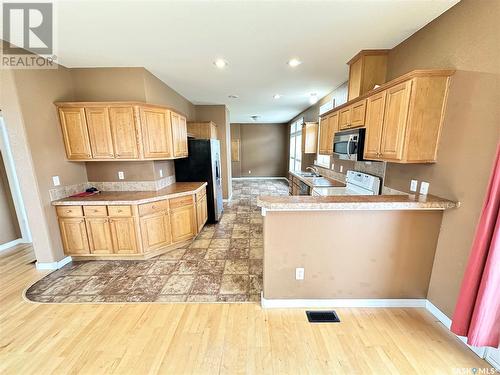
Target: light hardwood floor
pixel 211 338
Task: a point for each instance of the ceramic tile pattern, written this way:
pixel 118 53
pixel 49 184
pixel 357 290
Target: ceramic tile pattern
pixel 222 264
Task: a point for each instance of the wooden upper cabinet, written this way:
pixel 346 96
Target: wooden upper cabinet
pixel 329 125
pixel 310 137
pixel 367 69
pixel 124 132
pixel 75 133
pixel 121 131
pixel 101 140
pixel 179 135
pixel 358 111
pixel 394 125
pixel 202 130
pixel 375 106
pixel 344 118
pixel 156 133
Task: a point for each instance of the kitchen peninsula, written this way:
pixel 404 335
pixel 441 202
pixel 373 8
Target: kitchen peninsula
pixel 379 246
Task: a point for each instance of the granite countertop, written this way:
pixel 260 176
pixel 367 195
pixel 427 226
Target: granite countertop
pixel 318 181
pixel 355 202
pixel 177 189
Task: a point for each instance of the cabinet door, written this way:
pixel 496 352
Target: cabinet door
pixel 374 120
pixel 324 130
pixel 124 132
pixel 344 118
pixel 310 138
pixel 155 231
pixel 101 140
pixel 213 131
pixel 123 235
pixel 74 236
pixel 99 235
pixel 183 223
pixel 179 134
pixel 75 134
pixel 333 128
pixel 201 212
pixel 156 133
pixel 358 111
pixel 396 113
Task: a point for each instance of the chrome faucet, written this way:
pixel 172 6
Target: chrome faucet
pixel 314 170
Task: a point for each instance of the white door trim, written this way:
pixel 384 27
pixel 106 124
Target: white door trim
pixel 10 169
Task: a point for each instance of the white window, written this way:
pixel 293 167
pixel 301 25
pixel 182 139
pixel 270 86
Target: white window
pixel 296 145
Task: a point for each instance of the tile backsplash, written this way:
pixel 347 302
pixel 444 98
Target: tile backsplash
pixel 374 168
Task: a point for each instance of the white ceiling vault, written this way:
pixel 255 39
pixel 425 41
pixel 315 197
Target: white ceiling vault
pixel 179 40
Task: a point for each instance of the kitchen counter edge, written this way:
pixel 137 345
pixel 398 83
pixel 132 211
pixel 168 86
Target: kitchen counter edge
pixel 106 198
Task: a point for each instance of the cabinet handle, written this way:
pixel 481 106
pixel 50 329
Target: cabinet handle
pixel 109 221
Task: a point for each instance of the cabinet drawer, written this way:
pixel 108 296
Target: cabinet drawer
pixel 69 211
pixel 201 194
pixel 120 211
pixel 181 202
pixel 151 208
pixel 95 211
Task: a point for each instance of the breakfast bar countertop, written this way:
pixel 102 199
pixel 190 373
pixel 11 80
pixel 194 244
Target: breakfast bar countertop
pixel 355 202
pixel 177 189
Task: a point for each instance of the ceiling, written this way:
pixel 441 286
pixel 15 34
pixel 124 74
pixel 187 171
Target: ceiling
pixel 179 41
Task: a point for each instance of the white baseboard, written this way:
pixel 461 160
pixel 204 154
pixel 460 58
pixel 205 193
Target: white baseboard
pixel 439 315
pixel 53 265
pixel 355 302
pixel 259 178
pixel 10 244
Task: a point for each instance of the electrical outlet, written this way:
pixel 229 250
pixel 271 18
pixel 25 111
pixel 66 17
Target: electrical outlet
pixel 56 181
pixel 413 186
pixel 333 166
pixel 424 188
pixel 299 274
pixel 249 172
pixel 161 172
pixel 121 175
pixel 341 168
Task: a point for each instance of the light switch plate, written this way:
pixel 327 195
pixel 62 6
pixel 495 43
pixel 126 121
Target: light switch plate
pixel 333 166
pixel 341 168
pixel 424 188
pixel 299 274
pixel 121 175
pixel 249 172
pixel 413 186
pixel 56 181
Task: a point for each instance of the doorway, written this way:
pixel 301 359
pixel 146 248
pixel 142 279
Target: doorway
pixel 13 220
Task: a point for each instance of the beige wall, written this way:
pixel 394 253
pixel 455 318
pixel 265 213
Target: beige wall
pixel 107 171
pixel 236 165
pixel 220 115
pixel 465 38
pixel 9 225
pixel 392 259
pixel 263 149
pixel 157 92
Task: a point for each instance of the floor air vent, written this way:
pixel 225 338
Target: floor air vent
pixel 322 317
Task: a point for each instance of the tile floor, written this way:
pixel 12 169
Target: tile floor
pixel 223 263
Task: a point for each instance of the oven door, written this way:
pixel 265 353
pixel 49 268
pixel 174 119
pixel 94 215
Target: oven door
pixel 345 146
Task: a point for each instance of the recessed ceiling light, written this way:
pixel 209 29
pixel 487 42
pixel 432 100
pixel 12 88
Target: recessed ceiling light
pixel 276 96
pixel 220 63
pixel 294 63
pixel 313 98
pixel 232 96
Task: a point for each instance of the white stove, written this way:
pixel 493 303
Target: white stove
pixel 357 183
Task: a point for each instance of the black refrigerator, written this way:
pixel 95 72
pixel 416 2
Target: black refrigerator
pixel 203 164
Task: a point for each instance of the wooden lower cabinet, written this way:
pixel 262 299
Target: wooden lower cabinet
pixel 183 223
pixel 131 230
pixel 201 212
pixel 155 231
pixel 74 236
pixel 123 235
pixel 99 235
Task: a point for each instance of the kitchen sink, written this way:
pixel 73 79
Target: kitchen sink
pixel 307 174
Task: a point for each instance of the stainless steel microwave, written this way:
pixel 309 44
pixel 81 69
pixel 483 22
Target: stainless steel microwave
pixel 349 144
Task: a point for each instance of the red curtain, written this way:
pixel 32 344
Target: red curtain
pixel 477 313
